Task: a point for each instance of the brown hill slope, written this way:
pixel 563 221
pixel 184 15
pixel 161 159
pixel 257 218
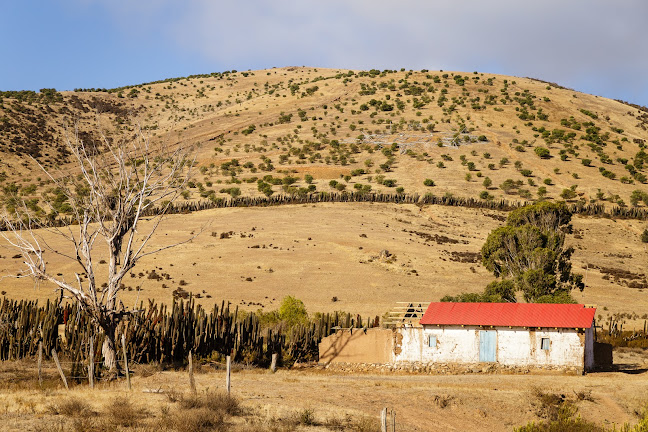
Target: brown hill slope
pixel 262 132
pixel 332 123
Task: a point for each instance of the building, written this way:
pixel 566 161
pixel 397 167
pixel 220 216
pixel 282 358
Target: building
pixel 508 334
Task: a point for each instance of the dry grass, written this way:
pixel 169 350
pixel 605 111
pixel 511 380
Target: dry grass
pixel 71 407
pixel 309 400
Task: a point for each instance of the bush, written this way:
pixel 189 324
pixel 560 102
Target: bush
pixel 568 194
pixel 122 412
pixel 428 182
pixel 644 236
pixel 542 152
pixel 71 407
pixel 293 311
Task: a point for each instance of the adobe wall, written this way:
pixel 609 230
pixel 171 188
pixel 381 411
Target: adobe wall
pixel 374 345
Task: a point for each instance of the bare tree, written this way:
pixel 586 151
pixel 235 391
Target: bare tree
pixel 111 188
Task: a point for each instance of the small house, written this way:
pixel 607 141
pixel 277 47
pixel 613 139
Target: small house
pixel 507 334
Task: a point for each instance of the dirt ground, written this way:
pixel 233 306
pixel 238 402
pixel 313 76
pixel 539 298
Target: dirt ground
pixel 476 402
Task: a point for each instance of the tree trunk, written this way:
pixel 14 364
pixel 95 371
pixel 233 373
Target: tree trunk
pixel 109 351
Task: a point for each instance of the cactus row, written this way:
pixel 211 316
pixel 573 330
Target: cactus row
pixel 163 334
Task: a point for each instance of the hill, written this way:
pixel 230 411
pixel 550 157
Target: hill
pixel 298 130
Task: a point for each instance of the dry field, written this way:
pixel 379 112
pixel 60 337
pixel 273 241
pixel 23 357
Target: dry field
pixel 317 252
pixel 315 399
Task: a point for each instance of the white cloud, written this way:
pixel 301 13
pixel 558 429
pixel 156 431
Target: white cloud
pixel 593 45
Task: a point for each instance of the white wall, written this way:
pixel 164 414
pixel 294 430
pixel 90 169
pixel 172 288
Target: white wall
pixel 516 346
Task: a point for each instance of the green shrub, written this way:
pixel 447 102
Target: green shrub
pixel 429 182
pixel 293 311
pixel 542 152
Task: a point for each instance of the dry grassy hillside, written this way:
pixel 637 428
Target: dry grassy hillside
pixel 290 122
pixel 295 130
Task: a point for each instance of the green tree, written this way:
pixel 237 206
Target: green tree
pixel 292 311
pixel 530 252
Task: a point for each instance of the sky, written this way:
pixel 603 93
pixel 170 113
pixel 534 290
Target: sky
pixel 594 46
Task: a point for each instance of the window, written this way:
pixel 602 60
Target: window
pixel 432 341
pixel 545 344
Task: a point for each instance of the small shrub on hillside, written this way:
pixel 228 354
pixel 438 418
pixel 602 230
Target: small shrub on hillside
pixel 644 236
pixel 428 182
pixel 542 152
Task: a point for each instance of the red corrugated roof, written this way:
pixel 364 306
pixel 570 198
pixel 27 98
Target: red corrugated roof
pixel 510 314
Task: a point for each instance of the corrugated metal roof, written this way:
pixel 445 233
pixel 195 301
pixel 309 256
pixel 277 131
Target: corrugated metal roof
pixel 510 314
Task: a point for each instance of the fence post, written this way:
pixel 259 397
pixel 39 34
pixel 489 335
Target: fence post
pixel 393 418
pixel 40 364
pixel 273 365
pixel 123 340
pixel 192 382
pixel 91 363
pixel 58 366
pixel 227 374
pixel 383 420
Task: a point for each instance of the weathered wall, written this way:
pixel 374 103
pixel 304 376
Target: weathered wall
pixel 373 346
pixel 514 346
pixel 454 345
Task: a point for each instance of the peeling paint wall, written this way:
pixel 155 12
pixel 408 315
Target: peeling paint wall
pixel 515 347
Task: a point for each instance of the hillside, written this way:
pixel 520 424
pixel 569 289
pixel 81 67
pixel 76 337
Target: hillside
pixel 298 130
pixel 455 129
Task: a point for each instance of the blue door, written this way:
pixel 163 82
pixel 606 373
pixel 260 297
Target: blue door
pixel 487 345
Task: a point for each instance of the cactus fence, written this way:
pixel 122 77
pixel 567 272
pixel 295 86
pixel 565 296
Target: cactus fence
pixel 164 334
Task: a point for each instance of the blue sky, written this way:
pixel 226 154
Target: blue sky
pixel 595 46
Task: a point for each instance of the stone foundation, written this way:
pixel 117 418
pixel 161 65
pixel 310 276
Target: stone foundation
pixel 447 368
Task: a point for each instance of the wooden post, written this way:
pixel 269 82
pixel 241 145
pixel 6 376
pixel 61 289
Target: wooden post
pixel 91 363
pixel 383 420
pixel 192 382
pixel 227 374
pixel 58 366
pixel 123 338
pixel 40 364
pixel 273 365
pixel 393 418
